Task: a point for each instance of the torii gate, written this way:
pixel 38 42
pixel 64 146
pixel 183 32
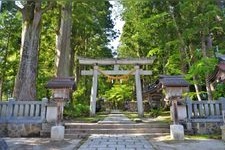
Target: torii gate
pixel 116 62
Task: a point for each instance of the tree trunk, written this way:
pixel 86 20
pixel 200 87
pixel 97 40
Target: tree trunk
pixel 197 90
pixel 204 53
pixel 25 85
pixel 63 44
pixel 192 57
pixel 184 55
pixel 182 48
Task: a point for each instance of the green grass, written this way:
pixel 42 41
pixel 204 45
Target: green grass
pixel 131 115
pixel 163 117
pixel 88 119
pixel 203 136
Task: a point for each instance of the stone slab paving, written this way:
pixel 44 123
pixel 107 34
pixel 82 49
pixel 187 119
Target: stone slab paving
pixel 116 119
pixel 41 144
pixel 116 142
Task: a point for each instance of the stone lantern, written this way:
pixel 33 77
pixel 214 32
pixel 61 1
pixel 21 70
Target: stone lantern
pixel 61 89
pixel 174 87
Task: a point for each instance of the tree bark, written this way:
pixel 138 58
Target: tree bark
pixel 25 85
pixel 183 55
pixel 182 48
pixel 63 44
pixel 193 59
pixel 204 53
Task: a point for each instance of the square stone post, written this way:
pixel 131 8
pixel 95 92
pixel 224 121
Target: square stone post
pixel 94 91
pixel 139 91
pixel 176 130
pixel 223 132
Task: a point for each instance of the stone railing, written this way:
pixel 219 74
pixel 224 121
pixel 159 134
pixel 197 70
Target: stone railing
pixel 205 111
pixel 205 116
pixel 23 111
pixel 23 118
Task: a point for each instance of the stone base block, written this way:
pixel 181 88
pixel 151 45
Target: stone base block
pixel 23 130
pixel 223 132
pixel 177 132
pixel 189 126
pixel 57 133
pixel 3 145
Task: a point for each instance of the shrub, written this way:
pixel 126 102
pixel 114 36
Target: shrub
pixel 76 110
pixel 155 112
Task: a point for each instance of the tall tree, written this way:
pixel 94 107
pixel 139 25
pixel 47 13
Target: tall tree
pixel 63 40
pixel 181 34
pixel 9 45
pixel 25 85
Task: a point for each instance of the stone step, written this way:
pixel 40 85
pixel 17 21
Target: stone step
pixel 116 131
pixel 153 135
pixel 114 126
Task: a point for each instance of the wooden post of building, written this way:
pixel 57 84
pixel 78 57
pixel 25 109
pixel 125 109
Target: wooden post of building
pixel 139 91
pixel 94 91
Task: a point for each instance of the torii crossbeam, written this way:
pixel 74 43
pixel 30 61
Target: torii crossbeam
pixel 136 62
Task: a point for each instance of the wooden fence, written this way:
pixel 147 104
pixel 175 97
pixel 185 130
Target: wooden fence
pixel 206 111
pixel 23 111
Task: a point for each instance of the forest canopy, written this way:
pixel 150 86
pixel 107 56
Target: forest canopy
pixel 43 39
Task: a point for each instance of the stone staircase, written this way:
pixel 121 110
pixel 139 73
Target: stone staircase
pixel 81 130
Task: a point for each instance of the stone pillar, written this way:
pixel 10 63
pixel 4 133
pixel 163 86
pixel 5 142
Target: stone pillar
pixel 139 91
pixel 174 112
pixel 177 132
pixel 94 91
pixel 51 115
pixel 57 133
pixel 43 108
pixel 223 132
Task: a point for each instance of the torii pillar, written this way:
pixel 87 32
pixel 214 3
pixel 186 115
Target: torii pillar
pixel 95 72
pixel 139 91
pixel 94 91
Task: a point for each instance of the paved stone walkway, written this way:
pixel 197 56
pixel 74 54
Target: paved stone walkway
pixel 116 142
pixel 116 119
pixel 113 142
pixel 41 144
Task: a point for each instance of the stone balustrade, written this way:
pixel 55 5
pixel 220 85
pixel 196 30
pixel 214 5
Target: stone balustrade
pixel 25 118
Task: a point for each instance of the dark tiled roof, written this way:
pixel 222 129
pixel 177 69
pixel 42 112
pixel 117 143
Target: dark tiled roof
pixel 153 88
pixel 173 81
pixel 61 82
pixel 221 58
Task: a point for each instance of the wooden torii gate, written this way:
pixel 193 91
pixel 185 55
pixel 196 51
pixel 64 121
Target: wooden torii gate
pixel 116 62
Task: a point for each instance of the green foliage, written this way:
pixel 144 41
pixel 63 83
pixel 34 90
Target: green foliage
pixel 175 32
pixel 155 112
pixel 118 94
pixel 219 91
pixel 76 110
pixel 10 32
pixel 201 68
pixel 172 31
pixel 79 105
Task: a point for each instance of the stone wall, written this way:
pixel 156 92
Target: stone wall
pixel 129 106
pixel 20 130
pixel 46 129
pixel 3 130
pixel 207 128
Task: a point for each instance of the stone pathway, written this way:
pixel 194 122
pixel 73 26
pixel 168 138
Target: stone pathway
pixel 116 119
pixel 41 144
pixel 116 142
pixel 113 142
